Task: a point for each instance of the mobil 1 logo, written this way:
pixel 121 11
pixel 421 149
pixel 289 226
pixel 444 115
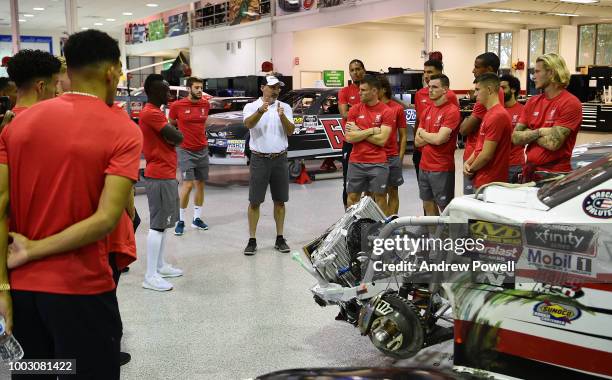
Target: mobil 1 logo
pixel 559 262
pixel 562 237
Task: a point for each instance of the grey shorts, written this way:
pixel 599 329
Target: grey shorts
pixel 396 175
pixel 272 171
pixel 163 198
pixel 367 177
pixel 513 173
pixel 193 164
pixel 468 186
pixel 437 186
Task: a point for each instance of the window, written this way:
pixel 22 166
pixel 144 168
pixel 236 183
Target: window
pixel 501 44
pixel 595 45
pixel 541 41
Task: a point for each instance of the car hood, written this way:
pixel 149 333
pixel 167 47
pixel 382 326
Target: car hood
pixel 220 121
pixel 583 155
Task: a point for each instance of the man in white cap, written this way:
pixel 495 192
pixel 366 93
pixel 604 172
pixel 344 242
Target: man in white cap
pixel 269 121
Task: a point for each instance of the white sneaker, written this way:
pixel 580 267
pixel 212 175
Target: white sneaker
pixel 157 283
pixel 169 271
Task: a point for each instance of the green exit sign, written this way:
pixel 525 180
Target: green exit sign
pixel 333 78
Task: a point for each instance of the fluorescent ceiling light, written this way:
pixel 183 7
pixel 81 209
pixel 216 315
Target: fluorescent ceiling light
pixel 98 24
pixel 505 10
pixel 564 14
pixel 152 5
pixel 22 20
pixel 28 15
pixel 110 19
pixel 128 14
pixel 580 1
pixel 38 9
pixel 84 28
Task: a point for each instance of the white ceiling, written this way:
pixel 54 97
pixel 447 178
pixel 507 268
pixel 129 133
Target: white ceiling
pixel 89 12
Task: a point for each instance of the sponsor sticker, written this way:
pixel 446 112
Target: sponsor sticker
pixel 235 146
pixel 562 237
pixel 559 261
pixel 311 122
pixel 496 232
pixel 598 204
pixel 556 313
pixel 500 252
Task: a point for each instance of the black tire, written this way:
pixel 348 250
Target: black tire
pixel 413 340
pixel 295 168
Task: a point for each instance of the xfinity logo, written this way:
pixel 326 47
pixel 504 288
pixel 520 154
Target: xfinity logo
pixel 569 238
pixel 563 238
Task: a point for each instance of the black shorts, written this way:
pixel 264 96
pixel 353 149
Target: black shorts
pixel 61 326
pixel 272 171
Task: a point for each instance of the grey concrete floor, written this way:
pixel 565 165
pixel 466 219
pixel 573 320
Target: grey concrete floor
pixel 236 317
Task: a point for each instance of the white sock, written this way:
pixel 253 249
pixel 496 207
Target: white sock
pixel 182 214
pixel 160 257
pixel 155 240
pixel 197 212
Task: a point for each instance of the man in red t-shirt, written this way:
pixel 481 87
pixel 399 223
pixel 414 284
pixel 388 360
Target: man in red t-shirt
pixel 437 137
pixel 35 73
pixel 190 115
pixel 347 98
pixel 484 63
pixel 368 128
pixel 160 139
pixel 422 101
pixel 60 279
pixel 489 160
pixel 512 88
pixel 550 121
pixel 395 151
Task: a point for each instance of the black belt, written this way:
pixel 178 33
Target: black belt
pixel 268 155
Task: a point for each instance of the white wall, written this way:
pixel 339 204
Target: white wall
pixel 333 49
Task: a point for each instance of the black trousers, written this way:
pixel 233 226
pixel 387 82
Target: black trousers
pixel 59 326
pixel 416 160
pixel 346 154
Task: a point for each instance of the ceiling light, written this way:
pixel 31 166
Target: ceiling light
pixel 580 1
pixel 152 5
pixel 22 20
pixel 128 14
pixel 564 14
pixel 28 15
pixel 84 28
pixel 505 10
pixel 98 24
pixel 110 19
pixel 39 9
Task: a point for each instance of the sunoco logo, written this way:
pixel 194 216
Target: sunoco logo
pixel 598 204
pixel 556 313
pixel 496 232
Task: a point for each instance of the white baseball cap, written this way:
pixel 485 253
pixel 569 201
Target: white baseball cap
pixel 271 80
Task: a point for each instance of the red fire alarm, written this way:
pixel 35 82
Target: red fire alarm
pixel 520 65
pixel 296 61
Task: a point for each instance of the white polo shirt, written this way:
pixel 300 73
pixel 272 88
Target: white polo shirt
pixel 268 136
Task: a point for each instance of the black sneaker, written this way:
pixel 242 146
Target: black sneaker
pixel 124 358
pixel 281 245
pixel 251 247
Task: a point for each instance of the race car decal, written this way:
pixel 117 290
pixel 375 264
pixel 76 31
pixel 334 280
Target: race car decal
pixel 569 238
pixel 598 204
pixel 496 232
pixel 560 262
pixel 334 132
pixel 311 122
pixel 556 313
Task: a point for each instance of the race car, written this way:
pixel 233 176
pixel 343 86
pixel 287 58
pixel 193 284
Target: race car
pixel 531 298
pixel 318 132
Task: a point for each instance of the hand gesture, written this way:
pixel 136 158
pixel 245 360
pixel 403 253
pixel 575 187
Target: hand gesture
pixel 280 109
pixel 467 170
pixel 18 251
pixel 264 107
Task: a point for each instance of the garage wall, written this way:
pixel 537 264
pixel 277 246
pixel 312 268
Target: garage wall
pixel 333 48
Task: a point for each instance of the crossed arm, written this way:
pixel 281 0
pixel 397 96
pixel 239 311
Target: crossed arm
pixel 438 138
pixel 376 136
pixel 551 138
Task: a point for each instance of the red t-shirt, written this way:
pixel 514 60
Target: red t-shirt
pixel 563 110
pixel 160 156
pixel 18 109
pixel 496 126
pixel 366 117
pixel 392 147
pixel 478 112
pixel 58 154
pixel 349 95
pixel 440 158
pixel 122 241
pixel 517 152
pixel 191 119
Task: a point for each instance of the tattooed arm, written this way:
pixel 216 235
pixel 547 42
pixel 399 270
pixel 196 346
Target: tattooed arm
pixel 553 138
pixel 522 135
